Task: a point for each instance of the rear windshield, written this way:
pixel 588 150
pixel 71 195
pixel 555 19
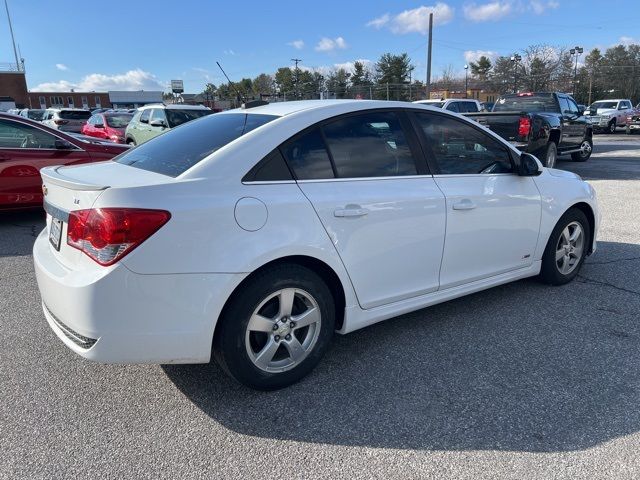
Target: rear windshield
pixel 178 117
pixel 35 114
pixel 526 103
pixel 74 114
pixel 176 151
pixel 118 121
pixel 596 105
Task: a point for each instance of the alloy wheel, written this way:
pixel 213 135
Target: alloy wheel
pixel 283 330
pixel 585 149
pixel 569 248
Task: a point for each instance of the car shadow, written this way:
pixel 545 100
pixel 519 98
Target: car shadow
pixel 521 367
pixel 18 231
pixel 618 161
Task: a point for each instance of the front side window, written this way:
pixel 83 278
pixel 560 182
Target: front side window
pixel 369 145
pixel 17 135
pixel 307 156
pixel 461 149
pixel 176 151
pixel 157 114
pixel 144 118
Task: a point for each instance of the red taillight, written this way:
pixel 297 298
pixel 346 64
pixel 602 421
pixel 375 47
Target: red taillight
pixel 108 234
pixel 524 126
pixel 60 122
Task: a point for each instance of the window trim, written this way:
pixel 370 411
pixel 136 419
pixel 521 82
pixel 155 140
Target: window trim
pixel 431 158
pixel 418 154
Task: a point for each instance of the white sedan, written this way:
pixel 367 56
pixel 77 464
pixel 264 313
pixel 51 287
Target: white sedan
pixel 253 235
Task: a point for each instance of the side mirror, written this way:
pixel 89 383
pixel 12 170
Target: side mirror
pixel 158 123
pixel 529 166
pixel 144 120
pixel 581 112
pixel 61 144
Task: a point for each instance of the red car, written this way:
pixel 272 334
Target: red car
pixel 26 146
pixel 108 126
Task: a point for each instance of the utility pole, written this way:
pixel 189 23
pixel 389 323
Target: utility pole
pixel 429 56
pixel 466 81
pixel 577 51
pixel 15 52
pixel 515 58
pixel 296 61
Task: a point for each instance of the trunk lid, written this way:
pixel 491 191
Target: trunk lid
pixel 69 188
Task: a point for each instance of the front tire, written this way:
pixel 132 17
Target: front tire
pixel 131 142
pixel 276 328
pixel 566 249
pixel 586 148
pixel 611 128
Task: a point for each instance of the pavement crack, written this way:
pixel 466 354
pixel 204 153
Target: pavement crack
pixel 591 281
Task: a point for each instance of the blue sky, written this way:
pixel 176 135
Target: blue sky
pixel 126 45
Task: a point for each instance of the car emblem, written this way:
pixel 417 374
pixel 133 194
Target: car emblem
pixel 76 201
pixel 45 190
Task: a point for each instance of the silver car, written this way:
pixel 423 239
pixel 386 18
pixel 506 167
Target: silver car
pixel 66 119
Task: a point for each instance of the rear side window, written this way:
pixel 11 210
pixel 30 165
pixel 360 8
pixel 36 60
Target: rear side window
pixel 307 156
pixel 177 150
pixel 369 145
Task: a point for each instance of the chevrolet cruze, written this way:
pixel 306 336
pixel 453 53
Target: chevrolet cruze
pixel 255 234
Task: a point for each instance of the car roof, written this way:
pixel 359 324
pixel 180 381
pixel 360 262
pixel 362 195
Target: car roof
pixel 173 106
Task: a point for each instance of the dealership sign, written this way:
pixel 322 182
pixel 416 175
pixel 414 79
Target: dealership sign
pixel 177 86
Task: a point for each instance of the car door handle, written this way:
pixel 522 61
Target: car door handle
pixel 350 211
pixel 464 204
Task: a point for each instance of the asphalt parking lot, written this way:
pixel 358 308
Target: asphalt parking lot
pixel 520 381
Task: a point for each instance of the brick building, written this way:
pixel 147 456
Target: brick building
pixel 13 83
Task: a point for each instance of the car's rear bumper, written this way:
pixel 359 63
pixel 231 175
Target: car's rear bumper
pixel 114 315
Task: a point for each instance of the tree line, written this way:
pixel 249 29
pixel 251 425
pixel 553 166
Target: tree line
pixel 612 74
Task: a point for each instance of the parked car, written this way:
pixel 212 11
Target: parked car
pixel 252 232
pixel 460 105
pixel 66 119
pixel 633 121
pixel 26 146
pixel 109 126
pixel 152 120
pixel 542 123
pixel 99 110
pixel 607 115
pixel 36 114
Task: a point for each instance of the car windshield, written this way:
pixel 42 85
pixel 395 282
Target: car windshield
pixel 118 121
pixel 177 117
pixel 526 103
pixel 176 151
pixel 35 114
pixel 596 105
pixel 74 114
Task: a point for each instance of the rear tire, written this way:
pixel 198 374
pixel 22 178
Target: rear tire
pixel 263 339
pixel 549 155
pixel 586 148
pixel 566 248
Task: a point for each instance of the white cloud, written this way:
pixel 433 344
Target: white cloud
pixel 229 52
pixel 61 66
pixel 626 41
pixel 415 20
pixel 540 6
pixel 487 12
pixel 297 44
pixel 132 80
pixel 380 21
pixel 474 55
pixel 330 44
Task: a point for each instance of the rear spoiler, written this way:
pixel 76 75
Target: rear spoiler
pixel 52 175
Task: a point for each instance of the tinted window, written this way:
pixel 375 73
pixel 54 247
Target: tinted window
pixel 468 107
pixel 178 117
pixel 118 121
pixel 453 107
pixel 74 114
pixel 176 151
pixel 307 156
pixel 459 148
pixel 369 145
pixel 35 114
pixel 564 104
pixel 573 106
pixel 144 118
pixel 271 168
pixel 18 135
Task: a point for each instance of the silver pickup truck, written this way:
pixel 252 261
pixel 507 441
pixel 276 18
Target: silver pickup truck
pixel 607 115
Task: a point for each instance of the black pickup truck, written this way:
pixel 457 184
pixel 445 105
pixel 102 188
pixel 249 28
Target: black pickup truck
pixel 542 123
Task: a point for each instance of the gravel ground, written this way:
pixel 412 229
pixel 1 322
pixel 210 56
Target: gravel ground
pixel 521 381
